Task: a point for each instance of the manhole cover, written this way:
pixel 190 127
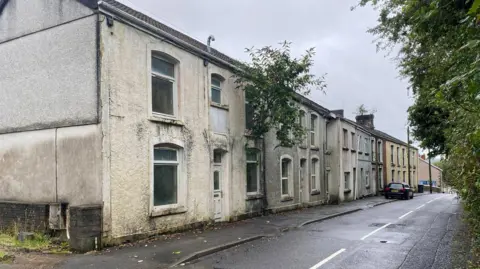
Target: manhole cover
pixel 376 224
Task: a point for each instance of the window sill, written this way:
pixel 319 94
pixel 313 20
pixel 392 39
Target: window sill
pixel 314 192
pixel 393 164
pixel 254 196
pixel 353 150
pixel 347 191
pixel 314 148
pixel 286 198
pixel 360 152
pixel 302 147
pixel 217 105
pixel 367 187
pixel 166 120
pixel 366 153
pixel 345 148
pixel 168 211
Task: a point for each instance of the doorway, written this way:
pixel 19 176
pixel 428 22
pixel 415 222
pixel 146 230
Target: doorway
pixel 217 178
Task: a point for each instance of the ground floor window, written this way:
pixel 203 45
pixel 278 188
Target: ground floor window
pixel 286 172
pixel 314 169
pixel 347 180
pixel 253 171
pixel 165 176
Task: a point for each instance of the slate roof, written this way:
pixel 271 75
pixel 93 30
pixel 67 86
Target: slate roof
pixel 169 30
pixel 3 3
pixel 379 133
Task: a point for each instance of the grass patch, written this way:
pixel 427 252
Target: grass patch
pixel 5 258
pixel 39 242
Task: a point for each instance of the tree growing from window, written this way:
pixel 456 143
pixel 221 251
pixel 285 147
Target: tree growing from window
pixel 273 81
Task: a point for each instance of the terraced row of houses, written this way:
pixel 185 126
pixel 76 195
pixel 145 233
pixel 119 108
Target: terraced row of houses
pixel 115 126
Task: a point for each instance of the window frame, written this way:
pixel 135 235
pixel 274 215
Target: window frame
pixel 314 130
pixel 176 81
pixel 346 181
pixel 345 139
pixel 354 145
pixel 367 178
pixel 215 76
pixel 302 118
pixel 257 162
pixel 289 176
pixel 182 187
pixel 316 174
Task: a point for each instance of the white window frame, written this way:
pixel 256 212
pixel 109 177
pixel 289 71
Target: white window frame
pixel 316 175
pixel 257 162
pixel 221 80
pixel 367 178
pixel 345 138
pixel 171 57
pixel 181 205
pixel 360 148
pixel 354 144
pixel 289 177
pixel 366 150
pixel 303 123
pixel 346 180
pixel 315 132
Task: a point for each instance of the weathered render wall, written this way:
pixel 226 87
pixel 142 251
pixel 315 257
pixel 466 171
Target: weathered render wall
pixel 132 131
pixel 365 182
pixel 50 144
pixel 349 160
pixel 54 165
pixel 48 74
pixel 299 190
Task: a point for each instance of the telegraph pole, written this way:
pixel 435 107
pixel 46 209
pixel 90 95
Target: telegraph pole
pixel 430 171
pixel 408 156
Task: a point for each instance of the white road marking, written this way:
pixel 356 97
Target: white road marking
pixel 404 215
pixel 327 259
pixel 420 207
pixel 363 238
pixel 430 201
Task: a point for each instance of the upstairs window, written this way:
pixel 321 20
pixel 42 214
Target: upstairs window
pixel 164 85
pixel 345 138
pixel 354 143
pixel 249 112
pixel 216 89
pixel 391 152
pixel 313 128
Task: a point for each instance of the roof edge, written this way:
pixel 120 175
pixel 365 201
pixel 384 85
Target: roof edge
pixel 3 3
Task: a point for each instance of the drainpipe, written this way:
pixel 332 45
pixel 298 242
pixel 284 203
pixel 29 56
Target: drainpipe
pixel 325 148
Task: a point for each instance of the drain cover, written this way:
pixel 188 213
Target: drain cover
pixel 383 241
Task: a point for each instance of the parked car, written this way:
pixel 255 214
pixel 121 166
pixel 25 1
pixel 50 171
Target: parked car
pixel 398 190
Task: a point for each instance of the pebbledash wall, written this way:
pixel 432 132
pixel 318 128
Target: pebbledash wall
pixel 50 139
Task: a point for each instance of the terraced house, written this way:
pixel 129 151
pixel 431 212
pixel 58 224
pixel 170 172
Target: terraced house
pixel 115 126
pixel 134 125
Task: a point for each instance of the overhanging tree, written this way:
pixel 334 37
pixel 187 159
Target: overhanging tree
pixel 272 82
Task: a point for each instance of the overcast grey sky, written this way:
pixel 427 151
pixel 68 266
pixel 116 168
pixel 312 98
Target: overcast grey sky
pixel 356 73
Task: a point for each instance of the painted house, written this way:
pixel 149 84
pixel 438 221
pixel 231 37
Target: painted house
pixel 129 122
pixel 399 161
pixel 424 176
pixel 353 174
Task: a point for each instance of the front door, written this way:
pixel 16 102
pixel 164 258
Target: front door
pixel 217 185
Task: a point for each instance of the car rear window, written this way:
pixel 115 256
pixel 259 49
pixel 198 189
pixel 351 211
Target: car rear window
pixel 396 186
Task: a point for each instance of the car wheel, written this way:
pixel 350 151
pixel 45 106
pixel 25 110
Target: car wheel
pixel 386 196
pixel 407 196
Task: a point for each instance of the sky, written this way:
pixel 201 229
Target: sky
pixel 355 72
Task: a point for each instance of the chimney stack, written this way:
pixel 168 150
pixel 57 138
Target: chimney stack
pixel 338 112
pixel 365 120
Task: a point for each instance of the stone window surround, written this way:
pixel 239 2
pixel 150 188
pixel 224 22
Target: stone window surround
pixel 258 162
pixel 181 205
pixel 315 132
pixel 290 177
pixel 168 55
pixel 317 175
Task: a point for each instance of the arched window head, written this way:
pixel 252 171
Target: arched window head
pixel 217 82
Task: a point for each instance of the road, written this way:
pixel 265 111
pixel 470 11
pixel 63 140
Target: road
pixel 409 234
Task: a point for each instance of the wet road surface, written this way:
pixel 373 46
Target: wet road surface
pixel 406 234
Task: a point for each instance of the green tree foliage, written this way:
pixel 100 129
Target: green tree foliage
pixel 439 43
pixel 272 82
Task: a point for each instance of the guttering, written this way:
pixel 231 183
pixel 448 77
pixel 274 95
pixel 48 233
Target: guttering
pixel 132 19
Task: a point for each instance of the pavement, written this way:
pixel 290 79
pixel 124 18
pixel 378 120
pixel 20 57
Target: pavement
pixel 178 250
pixel 413 234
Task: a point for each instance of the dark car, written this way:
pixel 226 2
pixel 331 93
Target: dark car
pixel 398 190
